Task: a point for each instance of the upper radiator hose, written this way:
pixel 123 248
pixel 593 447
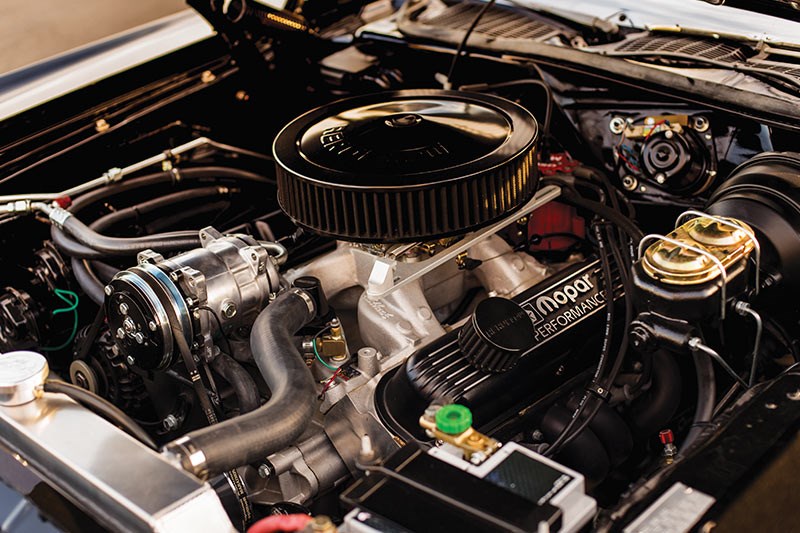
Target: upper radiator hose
pixel 253 436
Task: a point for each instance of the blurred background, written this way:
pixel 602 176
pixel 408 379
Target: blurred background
pixel 31 30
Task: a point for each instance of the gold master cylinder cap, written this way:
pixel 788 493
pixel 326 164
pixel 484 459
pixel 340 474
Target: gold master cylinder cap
pixel 689 260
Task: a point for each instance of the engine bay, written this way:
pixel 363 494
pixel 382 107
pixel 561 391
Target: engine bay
pixel 327 277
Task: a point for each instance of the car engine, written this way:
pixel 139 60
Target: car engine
pixel 321 282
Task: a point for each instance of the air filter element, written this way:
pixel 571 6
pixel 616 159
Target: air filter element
pixel 406 165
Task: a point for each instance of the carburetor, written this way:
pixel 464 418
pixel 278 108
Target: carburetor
pixel 218 289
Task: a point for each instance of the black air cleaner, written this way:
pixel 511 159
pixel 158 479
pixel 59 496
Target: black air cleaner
pixel 406 165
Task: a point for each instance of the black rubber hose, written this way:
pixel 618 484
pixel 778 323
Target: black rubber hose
pixel 659 404
pixel 242 382
pixel 103 408
pixel 206 212
pixel 72 248
pixel 168 200
pixel 462 306
pixel 252 437
pixel 92 283
pixel 103 271
pixel 159 242
pixel 706 398
pixel 88 282
pixel 118 246
pixel 197 173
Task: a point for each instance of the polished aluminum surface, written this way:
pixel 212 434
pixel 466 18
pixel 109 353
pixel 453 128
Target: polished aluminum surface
pixel 115 479
pixel 21 377
pixel 389 276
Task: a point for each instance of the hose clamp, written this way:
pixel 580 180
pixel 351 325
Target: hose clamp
pixel 312 307
pixel 191 458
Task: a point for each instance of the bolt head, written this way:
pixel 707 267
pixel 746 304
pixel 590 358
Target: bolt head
pixel 152 325
pixel 81 381
pixel 263 471
pixel 630 183
pixel 617 125
pixel 120 333
pixel 170 423
pixel 131 360
pixel 229 310
pixel 477 458
pixel 108 290
pixel 123 308
pixel 701 124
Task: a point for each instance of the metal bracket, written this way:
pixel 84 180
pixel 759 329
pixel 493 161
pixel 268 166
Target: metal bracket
pixel 392 275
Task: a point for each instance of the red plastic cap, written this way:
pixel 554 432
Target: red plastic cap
pixel 63 202
pixel 666 436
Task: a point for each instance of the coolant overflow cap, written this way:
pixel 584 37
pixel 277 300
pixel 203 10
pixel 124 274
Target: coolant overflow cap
pixel 453 419
pixel 21 376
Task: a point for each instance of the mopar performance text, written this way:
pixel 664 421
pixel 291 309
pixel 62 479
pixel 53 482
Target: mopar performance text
pixel 555 310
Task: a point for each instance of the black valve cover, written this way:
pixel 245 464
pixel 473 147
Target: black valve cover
pixel 565 312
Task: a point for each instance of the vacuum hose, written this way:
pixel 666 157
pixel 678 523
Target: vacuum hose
pixel 251 437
